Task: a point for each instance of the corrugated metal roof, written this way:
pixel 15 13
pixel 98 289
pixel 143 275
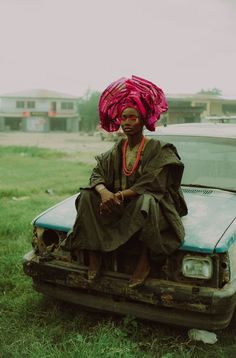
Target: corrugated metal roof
pixel 39 93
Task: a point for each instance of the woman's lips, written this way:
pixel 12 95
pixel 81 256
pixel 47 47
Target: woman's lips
pixel 127 129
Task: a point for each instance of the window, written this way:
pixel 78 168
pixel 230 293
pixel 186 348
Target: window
pixel 31 104
pixel 20 104
pixel 67 105
pixel 229 108
pixel 208 161
pixel 53 106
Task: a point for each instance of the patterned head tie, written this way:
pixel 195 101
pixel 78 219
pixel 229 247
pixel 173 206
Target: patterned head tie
pixel 138 93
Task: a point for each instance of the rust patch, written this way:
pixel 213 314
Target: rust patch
pixel 167 299
pixel 38 244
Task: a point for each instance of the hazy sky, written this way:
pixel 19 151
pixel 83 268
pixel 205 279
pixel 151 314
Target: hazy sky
pixel 75 45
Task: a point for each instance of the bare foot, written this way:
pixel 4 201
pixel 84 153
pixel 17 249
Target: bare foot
pixel 142 270
pixel 95 262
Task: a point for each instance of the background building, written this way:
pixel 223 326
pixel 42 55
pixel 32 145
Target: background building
pixel 39 110
pixel 43 111
pixel 181 110
pixel 187 108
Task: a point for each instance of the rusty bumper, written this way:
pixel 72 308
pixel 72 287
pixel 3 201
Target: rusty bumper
pixel 158 300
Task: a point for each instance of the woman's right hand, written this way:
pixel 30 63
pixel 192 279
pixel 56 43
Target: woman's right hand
pixel 108 201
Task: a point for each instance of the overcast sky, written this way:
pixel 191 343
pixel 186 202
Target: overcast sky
pixel 75 45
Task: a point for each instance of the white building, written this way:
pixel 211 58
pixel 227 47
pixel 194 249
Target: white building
pixel 38 110
pixel 200 108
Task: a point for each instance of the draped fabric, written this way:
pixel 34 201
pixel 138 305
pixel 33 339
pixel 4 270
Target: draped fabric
pixel 147 98
pixel 155 213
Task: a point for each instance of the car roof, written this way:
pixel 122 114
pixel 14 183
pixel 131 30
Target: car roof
pixel 221 130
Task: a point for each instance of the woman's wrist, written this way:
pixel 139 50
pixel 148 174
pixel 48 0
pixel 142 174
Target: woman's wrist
pixel 100 187
pixel 121 196
pixel 129 193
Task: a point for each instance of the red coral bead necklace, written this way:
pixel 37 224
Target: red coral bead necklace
pixel 126 171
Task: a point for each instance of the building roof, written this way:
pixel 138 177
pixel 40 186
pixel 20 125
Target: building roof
pixel 44 93
pixel 198 97
pixel 38 93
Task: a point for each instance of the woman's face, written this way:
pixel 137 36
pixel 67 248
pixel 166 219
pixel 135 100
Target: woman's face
pixel 131 121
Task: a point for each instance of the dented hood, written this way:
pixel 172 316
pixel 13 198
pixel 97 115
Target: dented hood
pixel 208 225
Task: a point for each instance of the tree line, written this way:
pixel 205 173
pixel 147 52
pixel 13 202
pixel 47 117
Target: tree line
pixel 88 111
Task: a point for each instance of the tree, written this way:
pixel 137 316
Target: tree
pixel 88 110
pixel 214 91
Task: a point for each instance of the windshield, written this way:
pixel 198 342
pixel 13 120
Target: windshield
pixel 208 161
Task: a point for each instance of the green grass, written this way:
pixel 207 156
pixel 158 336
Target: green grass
pixel 23 172
pixel 35 326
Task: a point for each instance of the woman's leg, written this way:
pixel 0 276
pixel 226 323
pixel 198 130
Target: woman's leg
pixel 142 269
pixel 95 262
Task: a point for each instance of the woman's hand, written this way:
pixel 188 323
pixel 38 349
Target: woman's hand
pixel 108 201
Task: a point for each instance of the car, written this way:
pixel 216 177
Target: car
pixel 193 287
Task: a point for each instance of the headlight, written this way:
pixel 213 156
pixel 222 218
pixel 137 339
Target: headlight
pixel 44 238
pixel 197 267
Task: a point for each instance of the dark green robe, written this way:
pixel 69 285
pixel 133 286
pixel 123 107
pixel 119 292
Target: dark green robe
pixel 155 213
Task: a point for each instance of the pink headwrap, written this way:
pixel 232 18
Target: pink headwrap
pixel 148 99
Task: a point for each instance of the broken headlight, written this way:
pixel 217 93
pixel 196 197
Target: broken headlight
pixel 197 267
pixel 45 239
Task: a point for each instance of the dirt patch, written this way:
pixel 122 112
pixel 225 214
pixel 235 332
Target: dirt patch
pixel 66 142
pixel 60 141
pixel 82 148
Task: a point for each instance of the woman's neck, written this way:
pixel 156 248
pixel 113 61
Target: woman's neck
pixel 134 140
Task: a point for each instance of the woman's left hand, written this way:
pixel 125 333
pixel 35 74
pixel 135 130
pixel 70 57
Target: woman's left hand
pixel 108 201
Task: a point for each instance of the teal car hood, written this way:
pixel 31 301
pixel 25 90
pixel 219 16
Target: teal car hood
pixel 208 225
pixel 59 217
pixel 211 214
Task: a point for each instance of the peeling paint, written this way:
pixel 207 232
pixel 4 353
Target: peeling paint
pixel 167 300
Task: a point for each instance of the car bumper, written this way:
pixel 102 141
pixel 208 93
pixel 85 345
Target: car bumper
pixel 158 300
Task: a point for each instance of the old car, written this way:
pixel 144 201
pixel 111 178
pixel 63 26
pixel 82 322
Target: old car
pixel 195 286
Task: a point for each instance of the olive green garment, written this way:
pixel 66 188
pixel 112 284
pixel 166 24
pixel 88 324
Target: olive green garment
pixel 155 213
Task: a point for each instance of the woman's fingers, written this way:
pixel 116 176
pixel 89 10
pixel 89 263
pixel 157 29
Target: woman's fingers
pixel 107 206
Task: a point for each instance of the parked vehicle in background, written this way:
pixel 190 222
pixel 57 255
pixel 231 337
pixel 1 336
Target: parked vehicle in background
pixel 195 286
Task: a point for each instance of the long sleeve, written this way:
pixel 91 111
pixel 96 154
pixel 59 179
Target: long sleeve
pixel 103 171
pixel 154 182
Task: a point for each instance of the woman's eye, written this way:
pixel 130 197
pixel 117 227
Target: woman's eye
pixel 131 117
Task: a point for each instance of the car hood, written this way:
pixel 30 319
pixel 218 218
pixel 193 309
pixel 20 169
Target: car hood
pixel 211 213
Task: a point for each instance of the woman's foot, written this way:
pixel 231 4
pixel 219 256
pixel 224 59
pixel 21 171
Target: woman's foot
pixel 95 262
pixel 142 270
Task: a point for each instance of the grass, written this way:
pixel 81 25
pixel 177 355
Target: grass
pixel 23 172
pixel 35 326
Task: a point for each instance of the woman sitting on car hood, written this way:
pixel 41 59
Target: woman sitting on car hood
pixel 135 187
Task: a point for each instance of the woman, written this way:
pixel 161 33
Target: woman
pixel 135 187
